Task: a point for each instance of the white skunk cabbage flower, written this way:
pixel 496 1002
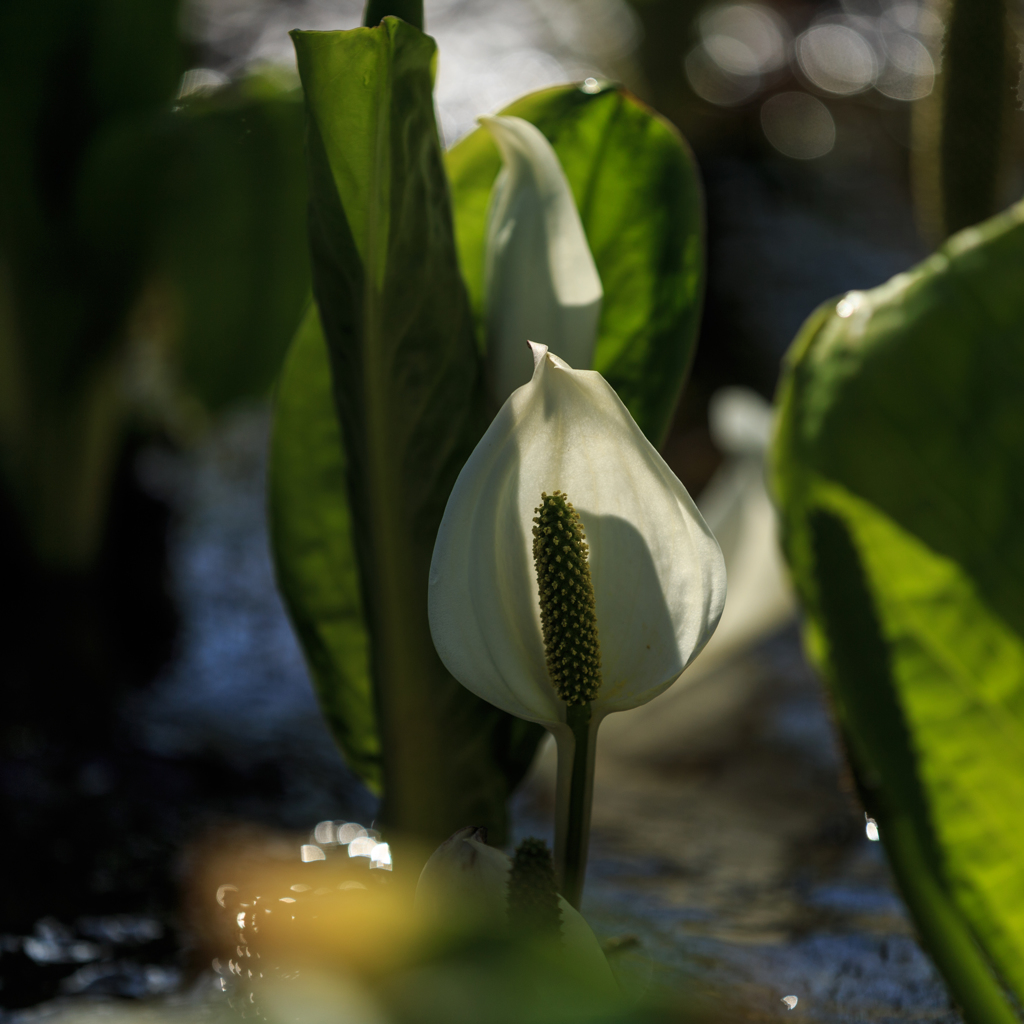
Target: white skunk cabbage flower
pixel 515 628
pixel 466 882
pixel 540 277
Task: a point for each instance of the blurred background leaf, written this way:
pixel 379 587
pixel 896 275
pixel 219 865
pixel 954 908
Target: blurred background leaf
pixel 77 83
pixel 900 475
pixel 639 197
pixel 152 260
pixel 105 186
pixel 963 128
pixel 233 236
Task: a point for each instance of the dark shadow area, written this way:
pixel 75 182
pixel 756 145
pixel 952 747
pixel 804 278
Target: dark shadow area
pixel 109 772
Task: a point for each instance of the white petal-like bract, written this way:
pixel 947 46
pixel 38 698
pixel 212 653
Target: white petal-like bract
pixel 467 880
pixel 465 884
pixel 541 282
pixel 657 571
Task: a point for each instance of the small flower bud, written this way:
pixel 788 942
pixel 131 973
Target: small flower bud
pixel 532 893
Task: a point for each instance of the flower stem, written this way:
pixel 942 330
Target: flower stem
pixel 575 795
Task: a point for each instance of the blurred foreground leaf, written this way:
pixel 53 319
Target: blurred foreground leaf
pixel 639 197
pixel 899 467
pixel 407 389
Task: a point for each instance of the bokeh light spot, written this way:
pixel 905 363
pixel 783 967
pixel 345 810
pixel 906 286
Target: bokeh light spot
pixel 363 846
pixel 837 58
pixel 200 82
pixel 348 832
pixel 222 892
pixel 711 83
pixel 380 857
pixel 798 125
pixel 745 39
pixel 909 72
pixel 326 833
pixel 849 304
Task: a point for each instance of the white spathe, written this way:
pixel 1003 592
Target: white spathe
pixel 736 505
pixel 657 571
pixel 540 279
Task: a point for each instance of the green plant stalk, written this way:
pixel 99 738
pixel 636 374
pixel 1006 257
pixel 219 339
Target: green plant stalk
pixel 959 128
pixel 943 929
pixel 58 463
pixel 57 452
pixel 408 10
pixel 577 744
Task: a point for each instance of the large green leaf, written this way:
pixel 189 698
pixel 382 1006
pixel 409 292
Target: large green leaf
pixel 899 467
pixel 639 197
pixel 233 244
pixel 407 388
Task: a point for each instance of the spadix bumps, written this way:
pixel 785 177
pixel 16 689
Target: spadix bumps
pixel 566 600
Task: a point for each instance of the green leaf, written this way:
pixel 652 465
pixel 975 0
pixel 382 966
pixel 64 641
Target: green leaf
pixel 638 193
pixel 314 549
pixel 407 388
pixel 82 83
pixel 233 246
pixel 80 86
pixel 899 467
